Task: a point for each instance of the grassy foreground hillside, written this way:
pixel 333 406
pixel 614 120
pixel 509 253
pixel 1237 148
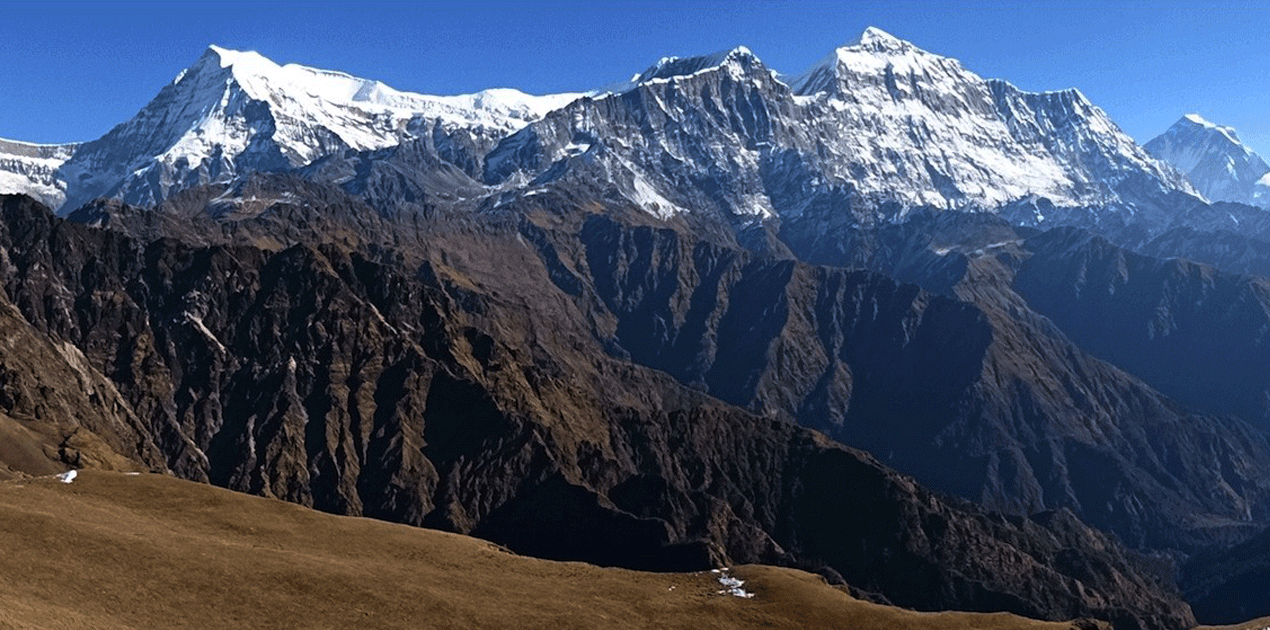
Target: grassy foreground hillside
pixel 113 551
pixel 1256 624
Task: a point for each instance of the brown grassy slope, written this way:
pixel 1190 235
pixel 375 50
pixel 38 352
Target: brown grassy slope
pixel 1255 624
pixel 113 551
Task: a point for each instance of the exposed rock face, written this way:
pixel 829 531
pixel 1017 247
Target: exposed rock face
pixel 57 411
pixel 317 376
pixel 1195 333
pixel 1244 251
pixel 558 323
pixel 1187 330
pixel 878 127
pixel 982 397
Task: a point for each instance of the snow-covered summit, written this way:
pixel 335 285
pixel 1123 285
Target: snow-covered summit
pixel 738 61
pixel 265 80
pixel 948 137
pixel 260 76
pixel 871 52
pixel 669 67
pixel 874 129
pixel 1215 161
pixel 236 111
pixel 878 126
pixel 876 39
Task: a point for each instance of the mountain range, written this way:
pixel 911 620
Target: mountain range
pixel 718 313
pixel 925 132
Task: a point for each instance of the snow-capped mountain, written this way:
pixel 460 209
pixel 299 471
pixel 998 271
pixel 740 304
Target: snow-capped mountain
pixel 237 111
pixel 934 133
pixel 32 169
pixel 1215 160
pixel 875 129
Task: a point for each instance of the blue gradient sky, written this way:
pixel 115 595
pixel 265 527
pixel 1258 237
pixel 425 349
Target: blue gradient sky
pixel 70 71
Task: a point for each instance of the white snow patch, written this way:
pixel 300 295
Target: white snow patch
pixel 649 199
pixel 732 586
pixel 68 476
pixel 201 327
pixel 345 100
pixel 1199 120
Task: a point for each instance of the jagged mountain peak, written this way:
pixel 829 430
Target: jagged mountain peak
pixel 876 39
pixel 227 57
pixel 740 57
pixel 880 121
pixel 1215 160
pixel 875 52
pixel 306 89
pixel 232 112
pixel 1195 123
pixel 1198 120
pixel 879 126
pixel 294 84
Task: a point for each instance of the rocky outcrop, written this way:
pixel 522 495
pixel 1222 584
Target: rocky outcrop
pixel 57 411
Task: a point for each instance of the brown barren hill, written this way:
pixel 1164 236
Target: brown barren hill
pixel 1255 624
pixel 112 550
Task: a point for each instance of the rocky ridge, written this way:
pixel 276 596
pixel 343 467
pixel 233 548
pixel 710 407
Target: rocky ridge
pixel 314 375
pixel 974 391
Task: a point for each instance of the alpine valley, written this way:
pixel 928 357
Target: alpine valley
pixel 949 344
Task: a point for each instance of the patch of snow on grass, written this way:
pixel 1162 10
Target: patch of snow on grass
pixel 732 586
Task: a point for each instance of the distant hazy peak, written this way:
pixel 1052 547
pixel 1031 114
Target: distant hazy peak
pixel 1200 121
pixel 1215 160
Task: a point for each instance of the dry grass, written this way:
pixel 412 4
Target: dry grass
pixel 113 551
pixel 1256 624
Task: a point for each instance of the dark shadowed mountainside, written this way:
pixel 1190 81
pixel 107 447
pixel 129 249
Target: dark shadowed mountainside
pixel 314 375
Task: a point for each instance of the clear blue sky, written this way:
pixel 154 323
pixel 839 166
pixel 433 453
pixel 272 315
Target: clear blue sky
pixel 70 71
